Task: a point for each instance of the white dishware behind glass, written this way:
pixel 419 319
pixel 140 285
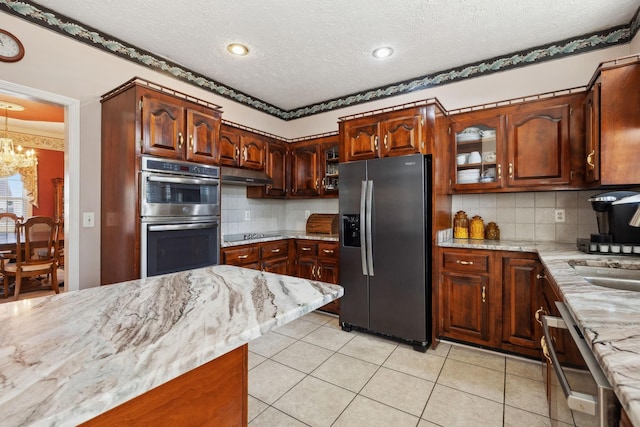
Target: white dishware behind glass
pixel 474 157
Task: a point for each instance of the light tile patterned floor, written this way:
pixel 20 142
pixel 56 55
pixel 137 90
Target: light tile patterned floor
pixel 310 372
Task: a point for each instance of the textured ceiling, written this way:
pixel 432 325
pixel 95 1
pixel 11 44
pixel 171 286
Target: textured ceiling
pixel 306 52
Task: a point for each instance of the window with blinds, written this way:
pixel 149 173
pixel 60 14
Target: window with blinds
pixel 13 197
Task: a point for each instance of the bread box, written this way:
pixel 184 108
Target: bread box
pixel 322 224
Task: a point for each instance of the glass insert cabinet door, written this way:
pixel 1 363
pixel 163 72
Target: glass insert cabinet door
pixel 477 153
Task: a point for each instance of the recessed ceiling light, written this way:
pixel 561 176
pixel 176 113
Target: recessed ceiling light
pixel 382 52
pixel 237 49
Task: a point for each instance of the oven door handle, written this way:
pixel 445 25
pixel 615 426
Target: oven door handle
pixel 178 227
pixel 577 401
pixel 178 180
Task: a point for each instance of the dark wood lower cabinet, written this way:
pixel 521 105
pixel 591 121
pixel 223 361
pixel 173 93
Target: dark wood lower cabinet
pixel 489 298
pixel 521 275
pixel 214 394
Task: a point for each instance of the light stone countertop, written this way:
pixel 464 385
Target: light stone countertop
pixel 285 234
pixel 609 318
pixel 67 358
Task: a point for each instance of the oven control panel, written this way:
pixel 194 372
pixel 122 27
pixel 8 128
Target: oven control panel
pixel 179 168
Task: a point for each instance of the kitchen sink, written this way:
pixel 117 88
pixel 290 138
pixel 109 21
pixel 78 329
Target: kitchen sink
pixel 615 278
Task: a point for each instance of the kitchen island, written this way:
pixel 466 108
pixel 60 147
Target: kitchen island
pixel 608 318
pixel 68 358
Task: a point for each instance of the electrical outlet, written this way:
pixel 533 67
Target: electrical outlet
pixel 247 215
pixel 88 219
pixel 307 214
pixel 559 215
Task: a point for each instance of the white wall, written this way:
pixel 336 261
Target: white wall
pixel 63 66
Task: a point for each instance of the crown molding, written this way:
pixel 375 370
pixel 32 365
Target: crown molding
pixel 64 25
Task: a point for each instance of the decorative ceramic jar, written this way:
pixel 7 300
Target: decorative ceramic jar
pixel 492 231
pixel 476 228
pixel 461 225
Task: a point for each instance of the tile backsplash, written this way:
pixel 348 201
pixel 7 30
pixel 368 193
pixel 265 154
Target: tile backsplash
pixel 265 214
pixel 522 216
pixel 531 216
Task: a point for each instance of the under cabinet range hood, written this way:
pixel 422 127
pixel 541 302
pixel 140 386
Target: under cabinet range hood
pixel 237 176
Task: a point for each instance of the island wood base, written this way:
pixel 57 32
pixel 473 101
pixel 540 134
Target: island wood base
pixel 213 394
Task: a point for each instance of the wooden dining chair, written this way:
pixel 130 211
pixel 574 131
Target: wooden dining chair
pixel 8 223
pixel 36 254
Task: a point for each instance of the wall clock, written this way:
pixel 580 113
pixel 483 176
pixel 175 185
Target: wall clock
pixel 11 49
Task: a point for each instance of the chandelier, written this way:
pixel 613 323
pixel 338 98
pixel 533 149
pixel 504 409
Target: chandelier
pixel 12 159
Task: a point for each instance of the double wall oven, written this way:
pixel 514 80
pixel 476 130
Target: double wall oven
pixel 179 216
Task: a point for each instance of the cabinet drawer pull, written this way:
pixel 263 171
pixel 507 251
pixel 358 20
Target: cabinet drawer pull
pixel 245 153
pixel 540 312
pixel 327 251
pixel 375 142
pixel 499 172
pixel 510 170
pixel 243 256
pixel 236 153
pixel 305 248
pixel 191 142
pixel 180 139
pixel 484 294
pixel 464 262
pixel 386 145
pixel 318 272
pixel 590 159
pixel 276 250
pixel 313 272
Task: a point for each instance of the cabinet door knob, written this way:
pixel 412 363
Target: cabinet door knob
pixel 318 271
pixel 236 153
pixel 540 276
pixel 191 142
pixel 510 170
pixel 484 294
pixel 180 140
pixel 386 145
pixel 244 153
pixel 461 262
pixel 499 172
pixel 375 142
pixel 313 272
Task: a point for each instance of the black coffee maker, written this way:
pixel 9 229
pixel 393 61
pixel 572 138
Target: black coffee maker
pixel 616 212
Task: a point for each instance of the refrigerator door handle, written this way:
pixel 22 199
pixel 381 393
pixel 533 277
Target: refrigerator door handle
pixel 363 241
pixel 367 225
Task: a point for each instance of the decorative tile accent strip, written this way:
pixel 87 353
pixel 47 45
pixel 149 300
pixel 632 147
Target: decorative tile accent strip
pixel 64 25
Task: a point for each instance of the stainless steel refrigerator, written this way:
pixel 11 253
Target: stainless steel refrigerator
pixel 385 247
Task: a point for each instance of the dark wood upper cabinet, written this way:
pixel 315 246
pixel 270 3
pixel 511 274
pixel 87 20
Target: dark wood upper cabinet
pixel 175 128
pixel 538 147
pixel 241 148
pixel 305 170
pixel 534 145
pixel 395 133
pixel 613 120
pixel 276 166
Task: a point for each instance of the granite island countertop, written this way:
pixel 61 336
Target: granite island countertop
pixel 609 318
pixel 67 358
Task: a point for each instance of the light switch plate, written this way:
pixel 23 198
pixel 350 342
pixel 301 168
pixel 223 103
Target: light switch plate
pixel 88 219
